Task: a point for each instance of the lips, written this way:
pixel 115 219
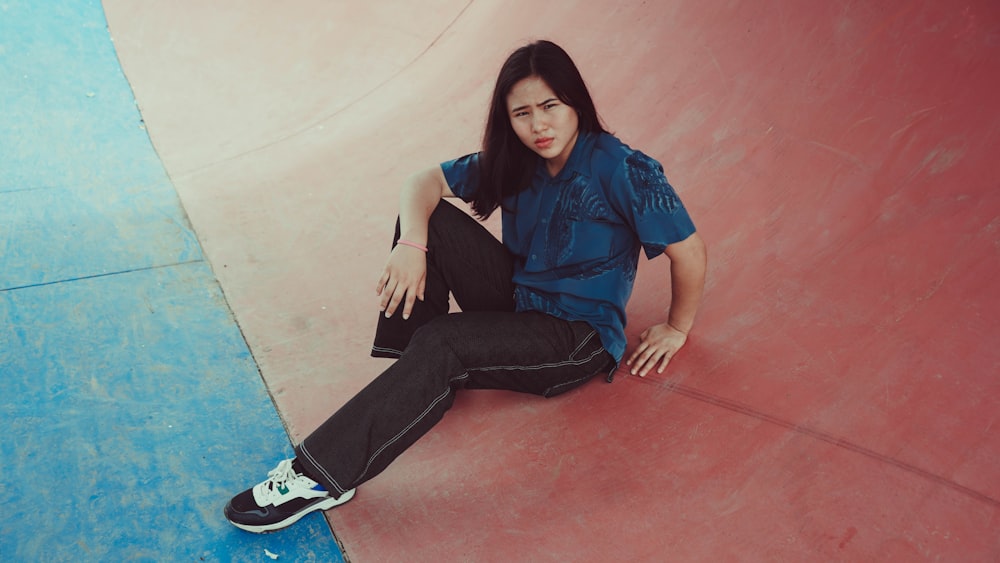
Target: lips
pixel 544 142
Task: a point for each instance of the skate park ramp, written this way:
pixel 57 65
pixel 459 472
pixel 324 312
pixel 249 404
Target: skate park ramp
pixel 838 399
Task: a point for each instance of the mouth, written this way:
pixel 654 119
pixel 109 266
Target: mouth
pixel 544 142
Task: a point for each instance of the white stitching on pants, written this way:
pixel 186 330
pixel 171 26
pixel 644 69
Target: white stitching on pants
pixel 395 438
pixel 599 351
pixel 391 350
pixel 582 344
pixel 542 366
pixel 442 396
pixel 316 464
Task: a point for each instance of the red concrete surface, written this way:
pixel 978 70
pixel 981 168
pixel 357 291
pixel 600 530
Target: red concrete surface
pixel 838 398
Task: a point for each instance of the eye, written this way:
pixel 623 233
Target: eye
pixel 551 105
pixel 521 113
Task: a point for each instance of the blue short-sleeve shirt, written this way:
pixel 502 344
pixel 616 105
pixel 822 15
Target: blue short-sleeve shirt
pixel 576 237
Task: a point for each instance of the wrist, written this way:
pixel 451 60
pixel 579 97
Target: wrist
pixel 679 327
pixel 414 235
pixel 412 244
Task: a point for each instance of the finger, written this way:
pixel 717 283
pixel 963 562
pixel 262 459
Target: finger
pixel 420 288
pixel 635 354
pixel 649 362
pixel 663 363
pixel 398 294
pixel 640 363
pixel 382 280
pixel 388 289
pixel 643 346
pixel 411 296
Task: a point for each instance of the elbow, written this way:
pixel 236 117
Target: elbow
pixel 701 249
pixel 429 182
pixel 691 250
pixel 422 177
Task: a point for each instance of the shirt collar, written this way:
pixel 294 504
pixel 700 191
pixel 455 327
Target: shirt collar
pixel 577 161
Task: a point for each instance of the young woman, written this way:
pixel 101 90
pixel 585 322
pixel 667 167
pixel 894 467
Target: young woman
pixel 542 312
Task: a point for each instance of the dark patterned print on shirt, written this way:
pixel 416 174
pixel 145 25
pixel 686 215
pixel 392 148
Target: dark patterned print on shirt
pixel 651 187
pixel 576 202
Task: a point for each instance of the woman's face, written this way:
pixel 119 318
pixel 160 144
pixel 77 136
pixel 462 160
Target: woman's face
pixel 544 123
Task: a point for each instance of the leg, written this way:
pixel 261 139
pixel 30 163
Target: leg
pixel 465 260
pixel 486 346
pixel 527 352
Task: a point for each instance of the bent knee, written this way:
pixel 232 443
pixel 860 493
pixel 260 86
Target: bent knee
pixel 437 333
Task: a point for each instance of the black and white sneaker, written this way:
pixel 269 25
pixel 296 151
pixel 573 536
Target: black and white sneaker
pixel 286 496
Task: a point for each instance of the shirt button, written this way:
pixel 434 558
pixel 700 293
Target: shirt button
pixel 545 220
pixel 534 257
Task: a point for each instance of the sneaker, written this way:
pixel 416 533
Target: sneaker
pixel 286 496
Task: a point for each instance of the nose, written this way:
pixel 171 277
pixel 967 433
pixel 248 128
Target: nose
pixel 538 123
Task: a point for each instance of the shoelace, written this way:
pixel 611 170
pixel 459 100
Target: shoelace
pixel 280 475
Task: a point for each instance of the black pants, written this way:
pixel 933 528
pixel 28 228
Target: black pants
pixel 486 346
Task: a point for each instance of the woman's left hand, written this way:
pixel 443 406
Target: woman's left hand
pixel 657 345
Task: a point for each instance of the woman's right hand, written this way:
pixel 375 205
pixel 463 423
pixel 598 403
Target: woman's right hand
pixel 402 280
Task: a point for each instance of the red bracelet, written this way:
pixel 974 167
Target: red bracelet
pixel 413 244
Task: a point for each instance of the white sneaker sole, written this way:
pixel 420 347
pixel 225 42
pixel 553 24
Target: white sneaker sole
pixel 322 505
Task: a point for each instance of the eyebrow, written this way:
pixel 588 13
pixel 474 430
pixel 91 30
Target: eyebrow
pixel 542 103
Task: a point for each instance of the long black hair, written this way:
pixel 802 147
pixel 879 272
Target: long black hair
pixel 506 165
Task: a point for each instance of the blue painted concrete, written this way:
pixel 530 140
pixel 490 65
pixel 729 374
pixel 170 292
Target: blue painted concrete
pixel 132 409
pixel 82 192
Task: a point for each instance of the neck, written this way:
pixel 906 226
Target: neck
pixel 555 165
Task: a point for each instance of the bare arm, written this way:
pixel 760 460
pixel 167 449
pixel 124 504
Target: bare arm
pixel 417 200
pixel 659 343
pixel 405 272
pixel 688 263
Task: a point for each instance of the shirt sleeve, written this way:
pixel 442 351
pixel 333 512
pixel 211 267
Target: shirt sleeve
pixel 641 194
pixel 462 175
